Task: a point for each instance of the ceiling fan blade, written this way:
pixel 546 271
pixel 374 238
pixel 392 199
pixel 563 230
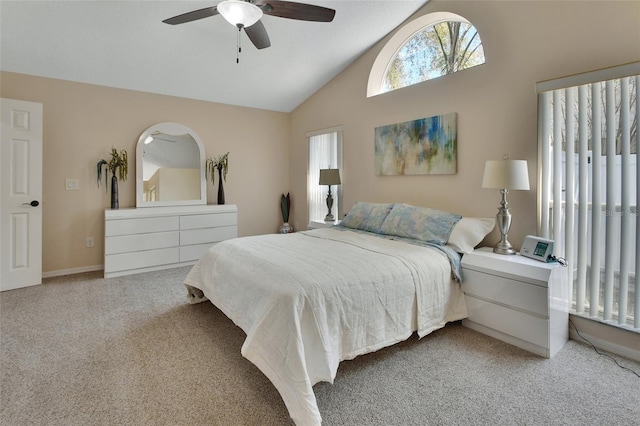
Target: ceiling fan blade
pixel 192 16
pixel 299 11
pixel 258 35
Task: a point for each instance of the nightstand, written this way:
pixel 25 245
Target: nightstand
pixel 518 300
pixel 317 225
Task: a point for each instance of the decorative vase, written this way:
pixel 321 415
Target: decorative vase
pixel 220 188
pixel 114 192
pixel 285 205
pixel 285 228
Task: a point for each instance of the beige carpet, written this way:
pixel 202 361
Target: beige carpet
pixel 82 350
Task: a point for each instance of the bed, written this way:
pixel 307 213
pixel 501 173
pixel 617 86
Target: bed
pixel 311 299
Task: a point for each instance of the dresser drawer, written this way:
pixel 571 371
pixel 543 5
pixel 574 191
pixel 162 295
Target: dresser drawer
pixel 138 242
pixel 141 259
pixel 505 291
pixel 208 220
pixel 209 235
pixel 194 252
pixel 154 238
pixel 526 327
pixel 141 226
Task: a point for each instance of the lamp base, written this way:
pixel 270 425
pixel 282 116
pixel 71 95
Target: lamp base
pixel 504 247
pixel 329 217
pixel 503 219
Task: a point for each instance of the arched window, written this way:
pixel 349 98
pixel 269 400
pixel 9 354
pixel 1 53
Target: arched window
pixel 431 46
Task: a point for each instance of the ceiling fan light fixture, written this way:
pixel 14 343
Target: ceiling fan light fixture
pixel 239 13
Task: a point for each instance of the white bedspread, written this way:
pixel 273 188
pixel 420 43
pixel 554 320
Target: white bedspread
pixel 311 299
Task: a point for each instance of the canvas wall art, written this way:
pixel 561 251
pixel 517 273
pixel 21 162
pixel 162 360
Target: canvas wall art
pixel 420 147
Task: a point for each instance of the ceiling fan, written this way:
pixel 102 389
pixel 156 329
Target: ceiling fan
pixel 247 13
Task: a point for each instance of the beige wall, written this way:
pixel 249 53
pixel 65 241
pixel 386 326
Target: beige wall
pixel 81 124
pixel 525 42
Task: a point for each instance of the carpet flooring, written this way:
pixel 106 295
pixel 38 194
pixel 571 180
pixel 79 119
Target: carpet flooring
pixel 82 350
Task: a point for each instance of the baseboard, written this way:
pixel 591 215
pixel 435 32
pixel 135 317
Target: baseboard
pixel 606 337
pixel 62 272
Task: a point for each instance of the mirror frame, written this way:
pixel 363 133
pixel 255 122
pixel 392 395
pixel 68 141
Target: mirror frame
pixel 175 129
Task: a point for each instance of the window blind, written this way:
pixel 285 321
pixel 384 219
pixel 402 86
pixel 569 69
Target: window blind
pixel 589 187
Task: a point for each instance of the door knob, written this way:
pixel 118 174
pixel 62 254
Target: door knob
pixel 34 203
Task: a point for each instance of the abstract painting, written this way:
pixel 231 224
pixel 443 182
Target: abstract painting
pixel 426 146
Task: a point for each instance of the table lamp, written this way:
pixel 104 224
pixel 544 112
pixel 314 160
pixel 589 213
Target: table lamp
pixel 505 175
pixel 329 177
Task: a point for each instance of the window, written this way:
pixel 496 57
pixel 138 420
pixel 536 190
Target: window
pixel 588 189
pixel 428 47
pixel 325 152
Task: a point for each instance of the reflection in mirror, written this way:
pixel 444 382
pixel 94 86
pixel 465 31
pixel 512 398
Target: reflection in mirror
pixel 170 160
pixel 170 168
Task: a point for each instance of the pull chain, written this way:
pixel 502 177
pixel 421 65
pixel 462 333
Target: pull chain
pixel 238 43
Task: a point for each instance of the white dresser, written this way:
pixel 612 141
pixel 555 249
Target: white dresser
pixel 518 300
pixel 152 238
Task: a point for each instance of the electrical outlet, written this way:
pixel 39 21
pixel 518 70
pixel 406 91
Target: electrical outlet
pixel 90 242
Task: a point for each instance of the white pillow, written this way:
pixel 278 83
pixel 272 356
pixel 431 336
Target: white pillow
pixel 469 232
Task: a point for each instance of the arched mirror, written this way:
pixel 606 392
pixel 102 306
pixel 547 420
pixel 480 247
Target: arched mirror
pixel 170 161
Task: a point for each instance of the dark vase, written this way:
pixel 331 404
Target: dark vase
pixel 114 192
pixel 220 188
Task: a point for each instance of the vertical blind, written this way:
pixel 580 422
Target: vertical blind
pixel 589 182
pixel 324 153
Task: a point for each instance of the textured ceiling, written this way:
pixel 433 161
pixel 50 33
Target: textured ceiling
pixel 124 44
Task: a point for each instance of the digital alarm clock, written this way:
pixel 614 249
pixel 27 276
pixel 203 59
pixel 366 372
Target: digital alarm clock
pixel 537 248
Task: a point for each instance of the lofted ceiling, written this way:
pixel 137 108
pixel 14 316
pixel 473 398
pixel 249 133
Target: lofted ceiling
pixel 124 44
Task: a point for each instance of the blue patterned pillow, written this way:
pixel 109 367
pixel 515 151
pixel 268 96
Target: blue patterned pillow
pixel 420 223
pixel 367 216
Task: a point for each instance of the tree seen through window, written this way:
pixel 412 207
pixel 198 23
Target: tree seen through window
pixel 434 51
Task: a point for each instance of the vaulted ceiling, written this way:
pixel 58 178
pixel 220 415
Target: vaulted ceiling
pixel 124 44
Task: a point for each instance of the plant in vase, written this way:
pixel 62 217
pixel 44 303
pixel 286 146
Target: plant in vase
pixel 119 168
pixel 285 206
pixel 221 164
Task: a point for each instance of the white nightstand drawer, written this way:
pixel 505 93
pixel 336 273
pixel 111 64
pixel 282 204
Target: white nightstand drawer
pixel 526 327
pixel 516 299
pixel 516 294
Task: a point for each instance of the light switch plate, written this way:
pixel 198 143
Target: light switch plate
pixel 71 184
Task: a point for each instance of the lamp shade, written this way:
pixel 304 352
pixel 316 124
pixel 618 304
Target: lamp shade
pixel 506 174
pixel 329 177
pixel 239 13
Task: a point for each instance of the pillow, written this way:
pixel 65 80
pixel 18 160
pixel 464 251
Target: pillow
pixel 420 223
pixel 367 216
pixel 469 232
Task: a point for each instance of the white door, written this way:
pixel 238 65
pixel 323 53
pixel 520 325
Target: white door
pixel 20 194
